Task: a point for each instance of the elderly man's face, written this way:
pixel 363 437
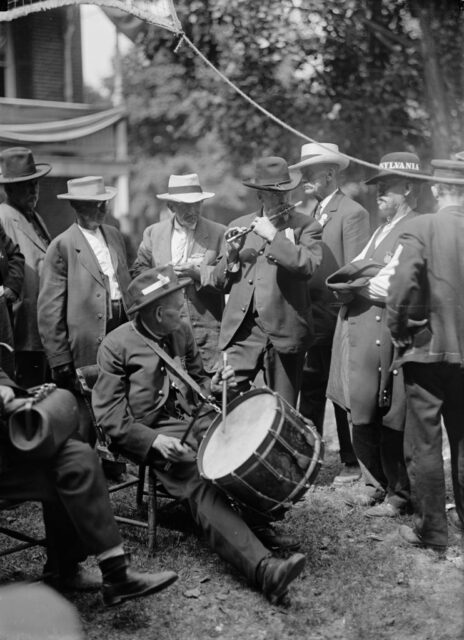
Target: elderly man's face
pixel 90 213
pixel 187 213
pixel 391 194
pixel 316 180
pixel 24 195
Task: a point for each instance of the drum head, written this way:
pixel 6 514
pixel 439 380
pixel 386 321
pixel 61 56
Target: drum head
pixel 229 446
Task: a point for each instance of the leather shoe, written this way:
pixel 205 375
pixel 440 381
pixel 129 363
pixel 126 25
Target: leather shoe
pixel 349 474
pixel 273 575
pixel 414 539
pixel 136 585
pixel 274 540
pixel 383 510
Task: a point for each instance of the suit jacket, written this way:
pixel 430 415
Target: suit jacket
pixel 273 275
pixel 362 352
pixel 133 386
pixel 73 305
pixel 33 248
pixel 203 305
pixel 344 234
pixel 428 285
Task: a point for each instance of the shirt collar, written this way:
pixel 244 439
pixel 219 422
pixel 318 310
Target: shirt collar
pixel 327 199
pixel 181 229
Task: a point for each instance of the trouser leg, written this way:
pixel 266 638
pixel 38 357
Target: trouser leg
pixel 453 415
pixel 366 445
pixel 423 449
pixel 226 533
pixel 282 373
pixel 245 353
pixel 347 454
pixel 315 376
pixel 394 467
pixel 31 368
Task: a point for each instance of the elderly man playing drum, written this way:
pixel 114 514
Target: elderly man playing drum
pixel 142 401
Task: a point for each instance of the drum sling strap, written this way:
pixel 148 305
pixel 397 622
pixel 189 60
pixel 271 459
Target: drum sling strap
pixel 177 370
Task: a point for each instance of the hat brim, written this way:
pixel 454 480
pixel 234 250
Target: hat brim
pixel 158 294
pixel 32 176
pixel 329 158
pixel 187 198
pixel 110 193
pixel 295 179
pixel 389 174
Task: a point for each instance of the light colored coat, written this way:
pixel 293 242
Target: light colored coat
pixel 74 302
pixel 33 248
pixel 203 305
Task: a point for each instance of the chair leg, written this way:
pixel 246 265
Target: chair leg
pixel 141 485
pixel 152 515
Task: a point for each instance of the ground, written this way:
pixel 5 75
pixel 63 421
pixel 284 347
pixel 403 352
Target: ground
pixel 359 582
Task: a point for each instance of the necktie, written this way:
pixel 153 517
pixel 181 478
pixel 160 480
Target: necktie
pixel 318 212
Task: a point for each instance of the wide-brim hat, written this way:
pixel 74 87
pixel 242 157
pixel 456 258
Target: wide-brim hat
pixel 152 285
pixel 17 165
pixel 452 170
pixel 320 153
pixel 88 188
pixel 400 161
pixel 185 188
pixel 273 174
pixel 353 276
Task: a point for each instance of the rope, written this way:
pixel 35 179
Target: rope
pixel 299 134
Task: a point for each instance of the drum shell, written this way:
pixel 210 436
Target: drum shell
pixel 281 469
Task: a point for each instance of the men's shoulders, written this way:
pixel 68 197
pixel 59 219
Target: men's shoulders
pixel 156 227
pixel 64 237
pixel 213 226
pixel 8 212
pixel 347 206
pixel 120 336
pixel 112 232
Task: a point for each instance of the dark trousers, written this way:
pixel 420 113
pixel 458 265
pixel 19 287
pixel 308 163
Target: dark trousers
pixel 380 449
pixel 226 533
pixel 78 516
pixel 312 399
pixel 251 351
pixel 31 368
pixel 434 390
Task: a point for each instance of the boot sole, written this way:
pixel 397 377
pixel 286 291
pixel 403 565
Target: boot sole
pixel 111 601
pixel 281 589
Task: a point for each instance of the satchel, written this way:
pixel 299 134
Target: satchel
pixel 42 424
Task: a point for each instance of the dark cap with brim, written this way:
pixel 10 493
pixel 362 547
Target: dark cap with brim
pixel 152 285
pixel 403 161
pixel 272 174
pixel 452 170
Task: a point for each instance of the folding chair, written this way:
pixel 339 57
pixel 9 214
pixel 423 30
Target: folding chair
pixel 114 467
pixel 26 541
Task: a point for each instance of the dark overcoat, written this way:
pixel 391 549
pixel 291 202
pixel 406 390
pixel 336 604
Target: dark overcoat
pixel 275 276
pixel 204 305
pixel 345 232
pixel 133 386
pixel 74 304
pixel 428 284
pixel 33 248
pixel 362 354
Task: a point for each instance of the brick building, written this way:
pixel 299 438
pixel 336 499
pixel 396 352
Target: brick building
pixel 41 107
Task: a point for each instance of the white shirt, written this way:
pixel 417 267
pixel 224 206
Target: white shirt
pixel 378 286
pixel 322 205
pixel 181 242
pixel 100 249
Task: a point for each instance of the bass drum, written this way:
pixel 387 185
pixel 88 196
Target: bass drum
pixel 265 456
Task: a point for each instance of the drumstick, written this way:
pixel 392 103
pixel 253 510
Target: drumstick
pixel 224 391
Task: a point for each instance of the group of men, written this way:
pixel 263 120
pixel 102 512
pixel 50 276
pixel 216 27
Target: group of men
pixel 314 302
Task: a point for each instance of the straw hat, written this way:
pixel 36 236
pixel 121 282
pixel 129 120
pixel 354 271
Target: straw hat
pixel 88 188
pixel 185 188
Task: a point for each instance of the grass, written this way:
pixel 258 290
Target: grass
pixel 359 583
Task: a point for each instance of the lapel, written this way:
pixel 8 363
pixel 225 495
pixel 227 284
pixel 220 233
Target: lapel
pixel 28 230
pixel 111 248
pixel 85 254
pixel 333 205
pixel 161 247
pixel 200 238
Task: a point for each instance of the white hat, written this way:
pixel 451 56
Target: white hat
pixel 88 188
pixel 315 153
pixel 185 188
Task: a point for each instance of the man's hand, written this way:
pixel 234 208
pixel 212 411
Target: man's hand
pixel 402 343
pixel 233 247
pixel 10 295
pixel 264 228
pixel 227 374
pixel 6 395
pixel 171 449
pixel 188 270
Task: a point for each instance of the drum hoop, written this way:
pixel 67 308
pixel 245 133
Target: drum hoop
pixel 273 431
